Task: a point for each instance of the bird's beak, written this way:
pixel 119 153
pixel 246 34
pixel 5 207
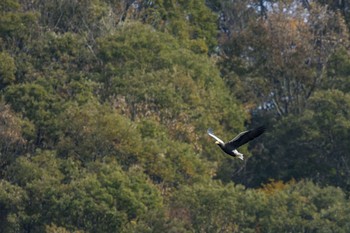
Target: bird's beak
pixel 217 142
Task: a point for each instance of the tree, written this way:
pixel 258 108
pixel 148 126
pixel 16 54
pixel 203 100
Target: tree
pixel 91 132
pixel 39 105
pixel 12 199
pixel 15 26
pixel 213 207
pixel 137 61
pixel 304 207
pixel 282 59
pixel 71 16
pixel 167 161
pixel 191 21
pixel 100 197
pixel 310 145
pixel 278 207
pixel 7 70
pixel 339 71
pixel 342 5
pixel 12 132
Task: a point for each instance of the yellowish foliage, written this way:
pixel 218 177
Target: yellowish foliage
pixel 276 185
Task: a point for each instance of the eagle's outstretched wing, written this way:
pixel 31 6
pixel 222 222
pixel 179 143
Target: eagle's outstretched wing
pixel 246 136
pixel 211 134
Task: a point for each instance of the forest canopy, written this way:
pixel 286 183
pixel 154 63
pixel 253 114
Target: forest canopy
pixel 105 104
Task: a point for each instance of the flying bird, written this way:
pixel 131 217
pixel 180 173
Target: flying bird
pixel 241 139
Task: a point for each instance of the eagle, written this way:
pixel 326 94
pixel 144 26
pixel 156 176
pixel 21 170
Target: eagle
pixel 241 139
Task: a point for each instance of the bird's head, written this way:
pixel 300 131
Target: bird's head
pixel 219 144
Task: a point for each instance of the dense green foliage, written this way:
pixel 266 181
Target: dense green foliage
pixel 104 107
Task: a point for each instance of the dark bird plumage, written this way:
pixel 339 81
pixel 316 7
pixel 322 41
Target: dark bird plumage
pixel 241 139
